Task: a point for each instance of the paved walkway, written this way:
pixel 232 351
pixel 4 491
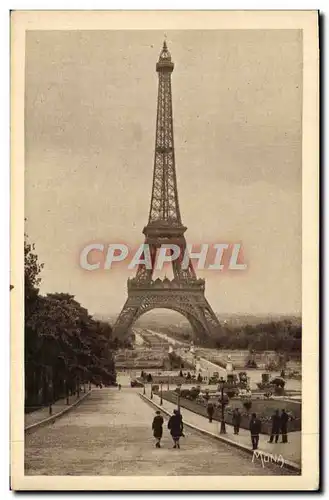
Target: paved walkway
pixel 39 415
pixel 110 434
pixel 290 451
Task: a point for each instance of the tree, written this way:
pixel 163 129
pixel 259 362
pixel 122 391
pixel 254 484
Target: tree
pixel 281 336
pixel 32 269
pixel 64 345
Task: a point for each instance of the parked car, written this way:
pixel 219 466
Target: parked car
pixel 135 383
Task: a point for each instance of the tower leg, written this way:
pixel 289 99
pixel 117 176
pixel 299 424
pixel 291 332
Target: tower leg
pixel 126 318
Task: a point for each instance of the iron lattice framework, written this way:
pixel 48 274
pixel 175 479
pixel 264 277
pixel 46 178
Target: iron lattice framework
pixel 185 293
pixel 164 201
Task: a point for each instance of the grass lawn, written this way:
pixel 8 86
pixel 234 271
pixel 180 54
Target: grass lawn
pixel 263 408
pixel 267 407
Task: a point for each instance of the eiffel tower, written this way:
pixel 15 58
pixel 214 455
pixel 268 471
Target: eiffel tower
pixel 185 293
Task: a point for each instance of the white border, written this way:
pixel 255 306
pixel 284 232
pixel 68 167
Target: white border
pixel 4 139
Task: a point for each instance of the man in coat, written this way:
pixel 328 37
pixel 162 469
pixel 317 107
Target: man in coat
pixel 255 428
pixel 284 426
pixel 236 420
pixel 175 425
pixel 157 428
pixel 276 424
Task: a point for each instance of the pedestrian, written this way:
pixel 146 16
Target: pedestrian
pixel 119 387
pixel 181 422
pixel 210 411
pixel 236 421
pixel 284 426
pixel 255 428
pixel 175 425
pixel 157 428
pixel 276 424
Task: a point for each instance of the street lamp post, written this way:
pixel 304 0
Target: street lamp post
pixel 67 385
pixel 222 423
pixel 67 392
pixel 161 400
pixel 151 391
pixel 50 404
pixel 178 398
pixel 50 390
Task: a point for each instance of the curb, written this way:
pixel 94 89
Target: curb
pixel 287 463
pixel 49 420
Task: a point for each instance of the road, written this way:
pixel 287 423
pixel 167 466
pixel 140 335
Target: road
pixel 110 434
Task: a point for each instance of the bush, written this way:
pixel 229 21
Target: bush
pixel 251 364
pixel 185 393
pixel 247 405
pixel 278 391
pixel 272 366
pixel 231 393
pixel 155 388
pixel 194 393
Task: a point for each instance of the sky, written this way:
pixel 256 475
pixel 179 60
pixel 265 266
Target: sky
pixel 90 113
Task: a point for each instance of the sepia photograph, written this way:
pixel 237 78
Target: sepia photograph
pixel 163 273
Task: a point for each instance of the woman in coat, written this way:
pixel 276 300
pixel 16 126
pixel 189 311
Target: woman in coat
pixel 157 428
pixel 175 425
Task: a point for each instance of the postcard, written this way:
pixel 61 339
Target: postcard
pixel 164 251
